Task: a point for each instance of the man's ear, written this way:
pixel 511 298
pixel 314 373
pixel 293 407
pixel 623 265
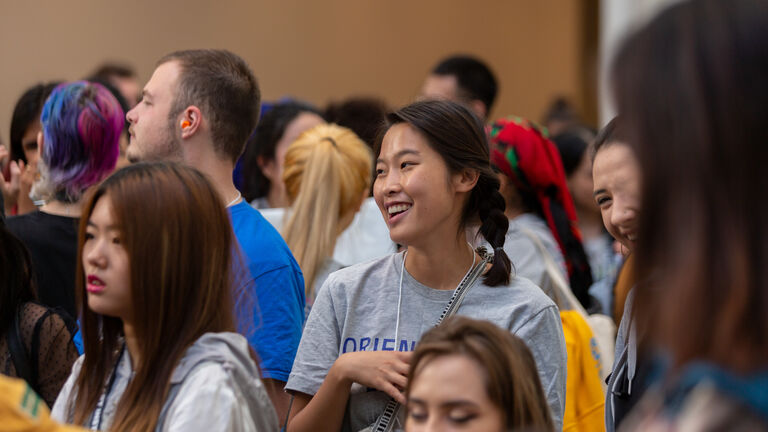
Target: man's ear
pixel 466 180
pixel 191 120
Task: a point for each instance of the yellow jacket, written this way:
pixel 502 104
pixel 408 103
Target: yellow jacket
pixel 21 410
pixel 584 397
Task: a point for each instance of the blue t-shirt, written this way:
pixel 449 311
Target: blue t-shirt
pixel 274 309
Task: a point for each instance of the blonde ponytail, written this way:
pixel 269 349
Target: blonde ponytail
pixel 326 172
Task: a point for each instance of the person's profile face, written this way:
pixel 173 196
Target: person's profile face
pixel 106 264
pixel 152 134
pixel 617 183
pixel 448 393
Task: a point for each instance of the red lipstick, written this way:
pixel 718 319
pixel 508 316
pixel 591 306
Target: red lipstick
pixel 94 284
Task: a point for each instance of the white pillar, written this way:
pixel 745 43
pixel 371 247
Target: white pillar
pixel 618 18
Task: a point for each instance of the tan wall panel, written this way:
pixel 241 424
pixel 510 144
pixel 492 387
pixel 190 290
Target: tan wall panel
pixel 315 50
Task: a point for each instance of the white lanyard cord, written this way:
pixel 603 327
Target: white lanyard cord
pixel 400 287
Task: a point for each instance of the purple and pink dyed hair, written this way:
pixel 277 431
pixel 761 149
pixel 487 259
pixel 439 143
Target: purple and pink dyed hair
pixel 82 123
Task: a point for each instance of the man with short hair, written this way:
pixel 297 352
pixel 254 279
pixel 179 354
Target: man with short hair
pixel 463 79
pixel 199 108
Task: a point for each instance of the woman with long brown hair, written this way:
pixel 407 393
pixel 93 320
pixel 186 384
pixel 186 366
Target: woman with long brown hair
pixel 471 375
pixel 155 291
pixel 691 88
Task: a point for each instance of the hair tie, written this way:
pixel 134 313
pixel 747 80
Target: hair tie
pixel 498 249
pixel 331 140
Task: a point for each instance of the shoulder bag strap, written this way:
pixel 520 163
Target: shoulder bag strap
pixel 564 297
pixel 35 345
pixel 384 423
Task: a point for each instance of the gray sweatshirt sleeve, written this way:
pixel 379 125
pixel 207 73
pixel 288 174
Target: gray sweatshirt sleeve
pixel 209 401
pixel 543 334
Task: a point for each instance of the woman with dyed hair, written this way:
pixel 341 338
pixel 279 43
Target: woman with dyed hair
pixel 326 174
pixel 433 179
pixel 156 293
pixel 78 146
pixel 472 375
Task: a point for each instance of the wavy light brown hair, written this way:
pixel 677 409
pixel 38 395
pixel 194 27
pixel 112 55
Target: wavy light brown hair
pixel 511 378
pixel 178 237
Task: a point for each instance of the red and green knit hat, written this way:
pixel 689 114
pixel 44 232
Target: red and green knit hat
pixel 522 152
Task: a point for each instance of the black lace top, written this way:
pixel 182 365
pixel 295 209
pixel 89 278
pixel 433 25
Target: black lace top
pixel 54 347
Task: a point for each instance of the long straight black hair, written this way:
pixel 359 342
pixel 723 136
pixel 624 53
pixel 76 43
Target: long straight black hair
pixel 458 137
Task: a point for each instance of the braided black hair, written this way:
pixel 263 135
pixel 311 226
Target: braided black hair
pixel 457 135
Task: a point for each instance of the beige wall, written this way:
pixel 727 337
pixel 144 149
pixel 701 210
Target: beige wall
pixel 315 50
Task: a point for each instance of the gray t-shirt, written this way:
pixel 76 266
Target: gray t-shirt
pixel 523 253
pixel 356 310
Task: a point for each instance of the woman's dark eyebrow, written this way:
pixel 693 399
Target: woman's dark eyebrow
pixel 401 153
pixel 458 403
pixel 450 403
pixel 107 228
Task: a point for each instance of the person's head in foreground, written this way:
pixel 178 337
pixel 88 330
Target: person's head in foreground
pixel 155 249
pixel 80 140
pixel 691 89
pixel 471 375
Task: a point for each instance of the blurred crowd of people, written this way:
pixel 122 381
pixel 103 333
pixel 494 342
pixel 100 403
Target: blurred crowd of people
pixel 181 255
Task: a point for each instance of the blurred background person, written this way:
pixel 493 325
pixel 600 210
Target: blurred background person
pixel 538 202
pixel 561 117
pixel 25 125
pixel 265 152
pixel 365 116
pixel 122 77
pixel 463 79
pixel 327 175
pixel 81 127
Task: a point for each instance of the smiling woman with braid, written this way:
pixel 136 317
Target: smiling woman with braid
pixel 433 179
